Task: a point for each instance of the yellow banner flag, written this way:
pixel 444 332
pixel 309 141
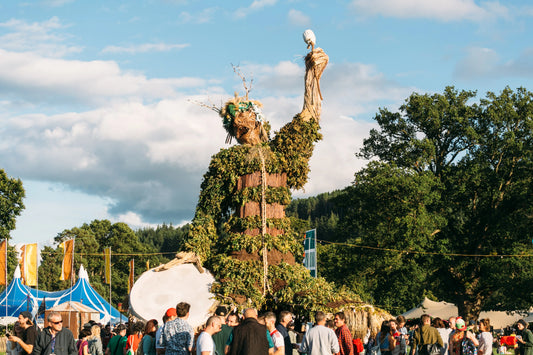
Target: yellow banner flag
pixel 67 267
pixel 3 260
pixel 107 263
pixel 131 279
pixel 29 264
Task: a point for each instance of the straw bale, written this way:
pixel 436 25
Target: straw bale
pixel 361 319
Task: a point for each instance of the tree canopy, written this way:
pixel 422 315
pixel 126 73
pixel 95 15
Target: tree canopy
pixel 11 205
pixel 453 177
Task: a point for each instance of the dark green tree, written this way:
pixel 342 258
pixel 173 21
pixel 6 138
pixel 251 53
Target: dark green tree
pixel 477 159
pixel 11 205
pixel 90 242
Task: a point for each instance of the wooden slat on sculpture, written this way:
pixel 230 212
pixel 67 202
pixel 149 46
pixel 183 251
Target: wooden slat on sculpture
pixel 274 210
pixel 254 179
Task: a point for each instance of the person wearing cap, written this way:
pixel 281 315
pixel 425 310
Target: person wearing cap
pixel 178 336
pixel 29 334
pixel 425 335
pixel 462 341
pixel 525 340
pixel 169 315
pixel 220 338
pixel 55 339
pixel 118 342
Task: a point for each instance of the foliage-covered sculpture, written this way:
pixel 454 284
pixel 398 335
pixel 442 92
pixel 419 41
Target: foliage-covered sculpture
pixel 240 230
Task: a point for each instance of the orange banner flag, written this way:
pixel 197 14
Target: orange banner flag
pixel 131 279
pixel 67 268
pixel 107 265
pixel 29 264
pixel 3 263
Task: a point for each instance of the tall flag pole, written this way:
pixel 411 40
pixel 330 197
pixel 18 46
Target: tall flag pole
pixel 3 265
pixel 107 272
pixel 310 252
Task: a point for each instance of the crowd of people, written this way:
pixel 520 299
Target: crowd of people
pixel 250 333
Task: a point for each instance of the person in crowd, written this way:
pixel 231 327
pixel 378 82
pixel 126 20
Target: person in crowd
pixel 205 344
pixel 169 315
pixel 399 340
pixel 462 341
pixel 285 318
pixel 249 337
pixel 148 340
pixel 295 337
pixel 27 338
pixel 83 343
pixel 330 323
pixel 55 339
pixel 400 320
pixel 443 332
pixel 320 340
pixel 12 347
pixel 385 339
pixel 233 320
pixel 525 340
pixel 106 335
pixel 343 334
pixel 425 335
pixel 485 337
pixel 277 338
pixel 95 341
pixel 117 344
pixel 178 335
pixel 220 338
pixel 135 337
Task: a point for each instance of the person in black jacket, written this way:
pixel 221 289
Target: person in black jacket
pixel 250 337
pixel 55 339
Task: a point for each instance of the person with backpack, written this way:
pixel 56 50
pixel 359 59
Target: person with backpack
pixel 147 345
pixel 462 341
pixel 134 339
pixel 425 337
pixel 117 343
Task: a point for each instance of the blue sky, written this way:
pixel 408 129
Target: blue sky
pixel 97 112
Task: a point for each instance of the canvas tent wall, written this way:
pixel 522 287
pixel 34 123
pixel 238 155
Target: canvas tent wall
pixel 445 310
pixel 74 315
pixel 83 293
pixel 16 298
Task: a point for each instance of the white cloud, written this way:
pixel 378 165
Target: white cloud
pixel 204 16
pixel 144 48
pixel 486 64
pixel 256 5
pixel 298 18
pixel 442 10
pixel 39 79
pixel 38 37
pixel 144 146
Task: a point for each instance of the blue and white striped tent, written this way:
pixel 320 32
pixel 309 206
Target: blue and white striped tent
pixel 19 297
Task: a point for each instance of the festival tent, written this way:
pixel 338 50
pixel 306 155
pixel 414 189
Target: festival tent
pixel 16 298
pixel 82 292
pixel 445 310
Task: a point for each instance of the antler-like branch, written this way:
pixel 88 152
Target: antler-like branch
pixel 237 71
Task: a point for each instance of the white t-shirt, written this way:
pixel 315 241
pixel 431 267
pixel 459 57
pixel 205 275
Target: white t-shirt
pixel 205 343
pixel 277 338
pixel 485 342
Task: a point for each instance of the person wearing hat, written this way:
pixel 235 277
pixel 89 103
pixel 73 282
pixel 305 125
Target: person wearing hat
pixel 118 342
pixel 29 333
pixel 463 341
pixel 220 338
pixel 169 315
pixel 525 341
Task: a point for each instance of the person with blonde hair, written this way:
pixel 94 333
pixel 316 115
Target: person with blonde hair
pixel 95 342
pixel 485 337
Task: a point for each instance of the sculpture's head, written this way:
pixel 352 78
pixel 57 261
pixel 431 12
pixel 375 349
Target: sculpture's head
pixel 242 119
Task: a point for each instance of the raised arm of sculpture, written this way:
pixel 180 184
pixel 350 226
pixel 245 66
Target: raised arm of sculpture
pixel 315 63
